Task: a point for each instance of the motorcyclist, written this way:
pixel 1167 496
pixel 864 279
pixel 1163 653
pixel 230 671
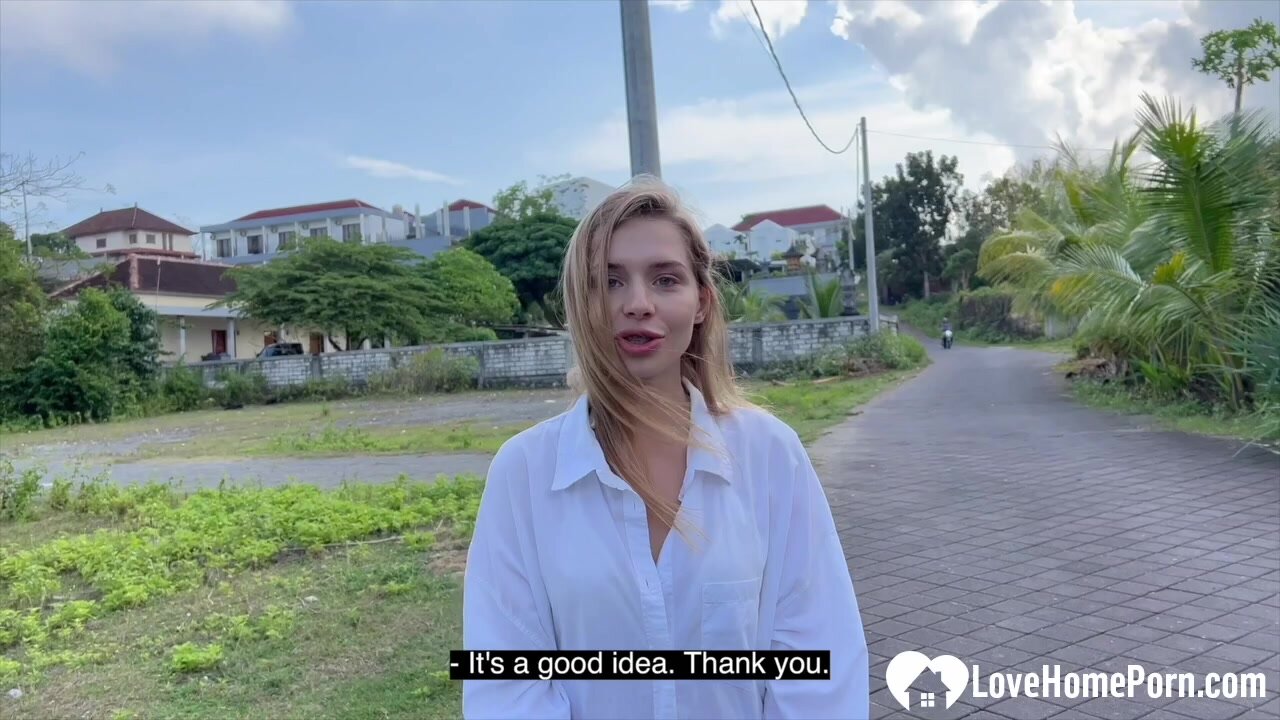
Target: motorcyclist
pixel 946 330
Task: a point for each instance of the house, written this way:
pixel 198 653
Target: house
pixel 128 230
pixel 769 240
pixel 578 196
pixel 457 220
pixel 726 243
pixel 260 235
pixel 819 222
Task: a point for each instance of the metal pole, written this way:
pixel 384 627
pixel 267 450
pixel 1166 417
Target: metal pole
pixel 642 108
pixel 873 294
pixel 26 220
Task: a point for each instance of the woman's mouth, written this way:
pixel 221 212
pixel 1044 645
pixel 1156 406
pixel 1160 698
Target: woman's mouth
pixel 639 343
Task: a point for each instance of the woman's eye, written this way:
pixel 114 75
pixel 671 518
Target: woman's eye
pixel 667 281
pixel 614 282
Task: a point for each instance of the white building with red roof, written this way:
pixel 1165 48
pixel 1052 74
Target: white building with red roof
pixel 258 236
pixel 768 231
pixel 131 230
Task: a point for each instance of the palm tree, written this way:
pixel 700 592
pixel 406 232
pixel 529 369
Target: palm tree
pixel 741 304
pixel 826 299
pixel 1173 267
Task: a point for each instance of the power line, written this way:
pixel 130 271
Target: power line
pixel 794 99
pixel 979 142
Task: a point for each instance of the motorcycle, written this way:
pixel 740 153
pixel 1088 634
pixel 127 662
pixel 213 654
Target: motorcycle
pixel 946 339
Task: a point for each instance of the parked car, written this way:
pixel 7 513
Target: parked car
pixel 281 349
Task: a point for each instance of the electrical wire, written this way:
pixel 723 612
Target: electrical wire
pixel 979 142
pixel 794 99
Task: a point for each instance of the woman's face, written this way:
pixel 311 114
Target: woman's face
pixel 654 299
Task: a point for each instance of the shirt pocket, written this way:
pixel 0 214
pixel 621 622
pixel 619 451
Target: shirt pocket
pixel 730 614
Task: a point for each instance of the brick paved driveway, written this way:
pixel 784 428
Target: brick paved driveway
pixel 988 516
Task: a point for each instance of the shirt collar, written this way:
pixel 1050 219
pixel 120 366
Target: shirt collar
pixel 578 453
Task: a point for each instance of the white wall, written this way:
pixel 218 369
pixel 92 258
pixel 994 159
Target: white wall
pixel 579 196
pixel 724 241
pixel 115 241
pixel 769 237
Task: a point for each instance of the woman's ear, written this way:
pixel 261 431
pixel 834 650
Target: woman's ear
pixel 704 303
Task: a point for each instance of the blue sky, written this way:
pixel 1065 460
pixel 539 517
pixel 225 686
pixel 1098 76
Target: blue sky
pixel 202 112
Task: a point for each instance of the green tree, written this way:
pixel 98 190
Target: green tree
pixel 912 211
pixel 55 245
pixel 826 299
pixel 83 373
pixel 22 306
pixel 357 291
pixel 473 291
pixel 529 251
pixel 1240 57
pixel 142 353
pixel 1172 269
pixel 518 202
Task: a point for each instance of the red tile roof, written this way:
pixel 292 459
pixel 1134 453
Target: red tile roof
pixel 300 209
pixel 468 205
pixel 134 218
pixel 159 274
pixel 790 217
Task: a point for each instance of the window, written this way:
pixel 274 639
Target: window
pixel 255 244
pixel 351 233
pixel 288 239
pixel 151 238
pixel 316 232
pixel 224 247
pixel 102 242
pixel 133 238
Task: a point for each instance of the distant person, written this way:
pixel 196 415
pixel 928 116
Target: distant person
pixel 946 325
pixel 572 547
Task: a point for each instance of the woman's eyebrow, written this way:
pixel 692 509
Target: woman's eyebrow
pixel 658 266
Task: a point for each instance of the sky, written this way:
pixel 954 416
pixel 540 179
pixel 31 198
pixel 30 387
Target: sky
pixel 202 112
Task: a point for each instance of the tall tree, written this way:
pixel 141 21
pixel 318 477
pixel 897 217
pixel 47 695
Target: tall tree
pixel 473 290
pixel 519 202
pixel 22 305
pixel 913 209
pixel 530 252
pixel 55 245
pixel 1241 57
pixel 361 292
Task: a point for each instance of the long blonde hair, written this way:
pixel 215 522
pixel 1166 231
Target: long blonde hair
pixel 622 407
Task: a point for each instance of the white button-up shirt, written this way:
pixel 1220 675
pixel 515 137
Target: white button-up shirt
pixel 561 560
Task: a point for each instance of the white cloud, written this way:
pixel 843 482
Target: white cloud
pixel 779 16
pixel 677 5
pixel 730 156
pixel 1027 72
pixel 90 36
pixel 394 170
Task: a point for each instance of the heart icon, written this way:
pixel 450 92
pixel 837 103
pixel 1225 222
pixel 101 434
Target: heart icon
pixel 905 667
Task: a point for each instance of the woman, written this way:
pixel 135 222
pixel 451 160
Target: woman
pixel 661 512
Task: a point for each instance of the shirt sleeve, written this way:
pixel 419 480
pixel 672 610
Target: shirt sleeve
pixel 504 602
pixel 817 610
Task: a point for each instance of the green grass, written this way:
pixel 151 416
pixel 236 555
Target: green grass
pixel 1184 416
pixel 288 603
pixel 459 437
pixel 812 408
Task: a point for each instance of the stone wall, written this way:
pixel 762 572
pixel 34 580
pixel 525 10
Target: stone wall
pixel 543 362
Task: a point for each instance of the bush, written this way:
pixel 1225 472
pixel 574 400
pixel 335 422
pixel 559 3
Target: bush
pixel 189 657
pixel 182 389
pixel 888 351
pixel 240 389
pixel 17 492
pixel 429 372
pixel 866 354
pixel 317 389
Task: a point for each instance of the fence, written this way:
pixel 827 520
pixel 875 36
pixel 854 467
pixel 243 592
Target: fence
pixel 543 362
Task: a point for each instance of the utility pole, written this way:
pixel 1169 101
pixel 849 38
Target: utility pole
pixel 873 294
pixel 642 108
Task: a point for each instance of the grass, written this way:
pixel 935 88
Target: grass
pixel 813 408
pixel 1184 416
pixel 351 616
pixel 458 437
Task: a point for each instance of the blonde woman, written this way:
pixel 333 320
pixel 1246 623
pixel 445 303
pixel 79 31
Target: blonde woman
pixel 661 512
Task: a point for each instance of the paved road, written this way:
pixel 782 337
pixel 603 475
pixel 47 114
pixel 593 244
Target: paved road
pixel 988 516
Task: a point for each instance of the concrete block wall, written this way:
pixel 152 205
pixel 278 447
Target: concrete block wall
pixel 543 362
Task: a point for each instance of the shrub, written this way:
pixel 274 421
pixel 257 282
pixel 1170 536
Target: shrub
pixel 17 492
pixel 240 389
pixel 182 389
pixel 429 372
pixel 886 350
pixel 189 657
pixel 317 389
